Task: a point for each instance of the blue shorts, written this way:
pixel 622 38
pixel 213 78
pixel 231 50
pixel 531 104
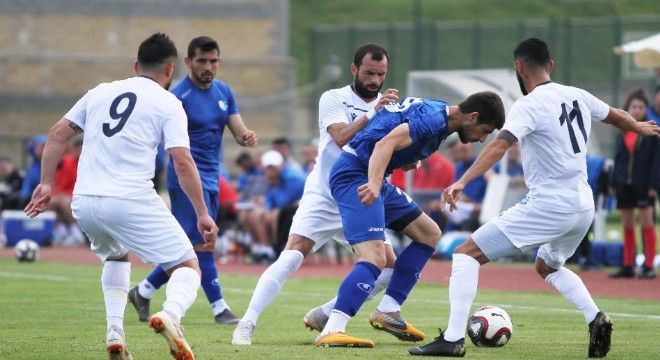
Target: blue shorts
pixel 184 212
pixel 393 209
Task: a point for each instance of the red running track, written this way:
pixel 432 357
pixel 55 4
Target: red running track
pixel 497 276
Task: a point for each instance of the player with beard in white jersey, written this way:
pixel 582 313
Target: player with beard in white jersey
pixel 342 113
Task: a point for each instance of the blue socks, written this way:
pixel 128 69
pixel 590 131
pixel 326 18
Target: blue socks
pixel 407 269
pixel 158 277
pixel 210 281
pixel 355 288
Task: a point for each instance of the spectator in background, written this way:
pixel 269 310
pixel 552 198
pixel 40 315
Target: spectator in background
pixel 635 182
pixel 227 199
pixel 434 175
pixel 471 197
pixel 66 231
pixel 654 114
pixel 516 189
pixel 283 146
pixel 597 177
pixel 285 188
pixel 654 109
pixel 514 168
pixel 251 184
pixel 11 181
pixel 309 154
pixel 33 173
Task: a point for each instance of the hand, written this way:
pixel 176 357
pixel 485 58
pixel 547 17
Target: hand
pixel 209 231
pixel 450 195
pixel 250 139
pixel 368 193
pixel 389 96
pixel 40 200
pixel 649 128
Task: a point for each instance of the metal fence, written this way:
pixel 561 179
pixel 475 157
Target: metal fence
pixel 581 48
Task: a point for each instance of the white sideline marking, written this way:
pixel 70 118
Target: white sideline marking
pixel 34 276
pixel 325 297
pixel 435 301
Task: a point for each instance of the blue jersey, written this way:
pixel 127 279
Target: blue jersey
pixel 208 111
pixel 427 121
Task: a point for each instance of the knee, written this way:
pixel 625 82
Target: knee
pixel 378 258
pixel 543 269
pixel 299 243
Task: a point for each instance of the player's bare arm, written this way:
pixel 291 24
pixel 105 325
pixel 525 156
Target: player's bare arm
pixel 186 171
pixel 397 139
pixel 242 135
pixel 491 154
pixel 623 120
pixel 342 133
pixel 58 136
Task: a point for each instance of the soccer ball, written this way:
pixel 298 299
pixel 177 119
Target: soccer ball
pixel 490 326
pixel 26 250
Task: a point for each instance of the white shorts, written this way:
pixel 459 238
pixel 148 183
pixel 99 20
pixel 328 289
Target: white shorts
pixel 525 226
pixel 141 224
pixel 318 219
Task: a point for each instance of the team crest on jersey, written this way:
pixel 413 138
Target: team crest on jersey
pixel 353 116
pixel 223 105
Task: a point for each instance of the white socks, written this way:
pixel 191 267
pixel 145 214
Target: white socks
pixel 336 323
pixel 572 288
pixel 181 292
pixel 219 306
pixel 381 282
pixel 146 290
pixel 462 290
pixel 115 281
pixel 270 283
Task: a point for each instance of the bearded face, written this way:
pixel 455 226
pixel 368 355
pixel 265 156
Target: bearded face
pixel 521 83
pixel 366 90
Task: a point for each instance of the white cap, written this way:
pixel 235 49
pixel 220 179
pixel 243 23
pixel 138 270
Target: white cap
pixel 271 158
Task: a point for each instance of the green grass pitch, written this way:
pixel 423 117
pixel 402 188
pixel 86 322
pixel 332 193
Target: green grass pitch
pixel 55 311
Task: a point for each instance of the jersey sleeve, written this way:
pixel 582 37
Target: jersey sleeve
pixel 428 125
pixel 175 127
pixel 597 107
pixel 231 100
pixel 78 113
pixel 330 110
pixel 520 121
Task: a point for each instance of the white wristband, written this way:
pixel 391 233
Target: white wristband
pixel 370 114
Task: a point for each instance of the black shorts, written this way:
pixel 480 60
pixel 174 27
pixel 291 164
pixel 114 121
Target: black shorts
pixel 630 197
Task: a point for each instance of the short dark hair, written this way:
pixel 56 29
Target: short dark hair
pixel 204 44
pixel 377 53
pixel 282 141
pixel 489 106
pixel 533 52
pixel 636 94
pixel 155 51
pixel 243 156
